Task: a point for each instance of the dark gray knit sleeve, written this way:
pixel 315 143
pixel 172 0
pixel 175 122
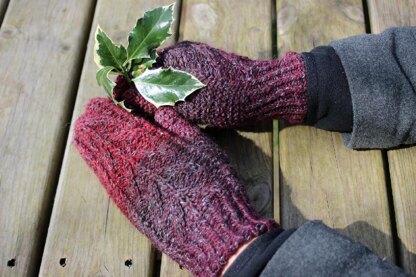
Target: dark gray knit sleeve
pixel 317 250
pixel 381 73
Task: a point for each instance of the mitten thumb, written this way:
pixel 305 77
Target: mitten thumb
pixel 123 91
pixel 172 121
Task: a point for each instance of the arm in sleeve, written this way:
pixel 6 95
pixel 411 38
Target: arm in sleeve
pixel 381 74
pixel 317 250
pixel 365 87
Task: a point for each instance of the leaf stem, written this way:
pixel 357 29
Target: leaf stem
pixel 128 76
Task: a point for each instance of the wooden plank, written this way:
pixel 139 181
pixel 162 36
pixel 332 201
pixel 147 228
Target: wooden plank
pixel 86 228
pixel 385 14
pixel 320 177
pixel 243 27
pixel 41 49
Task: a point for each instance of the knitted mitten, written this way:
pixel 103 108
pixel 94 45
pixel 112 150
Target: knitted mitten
pixel 172 182
pixel 239 91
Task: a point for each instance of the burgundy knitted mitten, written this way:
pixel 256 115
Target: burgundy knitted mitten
pixel 172 182
pixel 239 91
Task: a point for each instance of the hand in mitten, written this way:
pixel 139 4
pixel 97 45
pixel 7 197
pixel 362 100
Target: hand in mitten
pixel 239 91
pixel 172 182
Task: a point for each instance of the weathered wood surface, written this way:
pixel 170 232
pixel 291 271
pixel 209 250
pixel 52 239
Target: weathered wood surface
pixel 86 227
pixel 38 73
pixel 320 177
pixel 243 27
pixel 384 14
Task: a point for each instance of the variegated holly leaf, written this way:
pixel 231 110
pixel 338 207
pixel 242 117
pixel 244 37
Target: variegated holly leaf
pixel 150 32
pixel 158 86
pixel 148 62
pixel 105 81
pixel 107 53
pixel 140 65
pixel 165 87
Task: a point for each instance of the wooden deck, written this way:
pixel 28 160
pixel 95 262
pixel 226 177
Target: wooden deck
pixel 56 219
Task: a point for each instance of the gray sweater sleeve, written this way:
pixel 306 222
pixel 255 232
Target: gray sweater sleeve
pixel 317 250
pixel 381 74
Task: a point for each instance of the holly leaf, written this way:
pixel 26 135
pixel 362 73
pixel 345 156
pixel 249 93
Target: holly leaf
pixel 150 32
pixel 148 62
pixel 139 66
pixel 107 53
pixel 105 81
pixel 159 86
pixel 165 87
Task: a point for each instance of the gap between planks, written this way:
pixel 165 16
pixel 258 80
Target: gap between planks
pixel 31 153
pixel 86 228
pixel 3 9
pixel 320 177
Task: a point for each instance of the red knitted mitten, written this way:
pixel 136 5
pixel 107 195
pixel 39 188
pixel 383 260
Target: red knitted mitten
pixel 172 182
pixel 239 91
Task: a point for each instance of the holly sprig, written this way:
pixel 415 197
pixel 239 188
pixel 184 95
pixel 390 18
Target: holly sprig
pixel 159 86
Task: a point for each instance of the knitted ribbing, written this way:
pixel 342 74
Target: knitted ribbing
pixel 172 182
pixel 239 91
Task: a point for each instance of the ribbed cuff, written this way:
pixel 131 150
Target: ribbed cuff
pixel 281 88
pixel 230 226
pixel 329 97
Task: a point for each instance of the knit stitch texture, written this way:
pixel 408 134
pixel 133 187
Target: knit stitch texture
pixel 172 182
pixel 239 91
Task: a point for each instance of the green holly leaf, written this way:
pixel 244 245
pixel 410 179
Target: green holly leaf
pixel 165 87
pixel 105 81
pixel 150 32
pixel 148 62
pixel 107 53
pixel 159 86
pixel 140 65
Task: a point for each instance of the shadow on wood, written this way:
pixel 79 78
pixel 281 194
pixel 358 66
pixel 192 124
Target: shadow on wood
pixel 257 179
pixel 360 230
pixel 360 227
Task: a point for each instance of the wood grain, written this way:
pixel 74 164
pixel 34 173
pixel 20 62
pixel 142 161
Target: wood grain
pixel 243 27
pixel 86 227
pixel 385 14
pixel 41 48
pixel 320 177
